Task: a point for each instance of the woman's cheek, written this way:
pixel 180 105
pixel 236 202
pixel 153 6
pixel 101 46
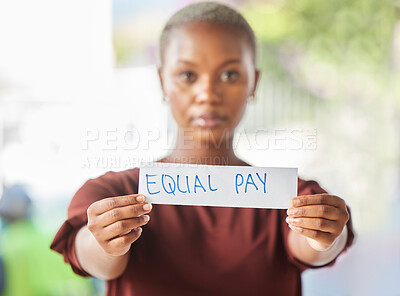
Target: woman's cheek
pixel 179 108
pixel 238 108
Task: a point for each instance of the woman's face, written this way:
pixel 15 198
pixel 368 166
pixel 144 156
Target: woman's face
pixel 208 73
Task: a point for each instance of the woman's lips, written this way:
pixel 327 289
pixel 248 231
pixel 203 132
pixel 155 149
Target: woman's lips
pixel 208 120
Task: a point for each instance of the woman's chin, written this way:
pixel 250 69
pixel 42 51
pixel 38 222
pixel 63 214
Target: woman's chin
pixel 214 137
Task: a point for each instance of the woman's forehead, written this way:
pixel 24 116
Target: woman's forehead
pixel 200 41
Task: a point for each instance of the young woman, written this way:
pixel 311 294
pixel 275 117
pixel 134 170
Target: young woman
pixel 208 74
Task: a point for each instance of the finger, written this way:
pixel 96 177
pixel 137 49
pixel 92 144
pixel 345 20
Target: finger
pixel 313 223
pixel 315 211
pixel 318 199
pixel 319 236
pixel 124 241
pixel 122 227
pixel 122 213
pixel 110 203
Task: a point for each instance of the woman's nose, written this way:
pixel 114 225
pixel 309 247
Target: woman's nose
pixel 208 91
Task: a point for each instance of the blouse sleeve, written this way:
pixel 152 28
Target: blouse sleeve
pixel 64 241
pixel 307 188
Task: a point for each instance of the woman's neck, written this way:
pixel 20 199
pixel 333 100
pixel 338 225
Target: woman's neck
pixel 209 153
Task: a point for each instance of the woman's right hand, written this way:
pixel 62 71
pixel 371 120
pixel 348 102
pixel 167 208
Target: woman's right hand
pixel 115 222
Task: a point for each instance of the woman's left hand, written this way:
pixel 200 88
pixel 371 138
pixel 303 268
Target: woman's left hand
pixel 319 217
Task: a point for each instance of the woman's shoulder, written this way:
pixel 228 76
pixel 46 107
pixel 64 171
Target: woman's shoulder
pixel 306 187
pixel 117 183
pixel 119 176
pixel 106 185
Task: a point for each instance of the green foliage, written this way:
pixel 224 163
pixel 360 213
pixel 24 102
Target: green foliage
pixel 340 31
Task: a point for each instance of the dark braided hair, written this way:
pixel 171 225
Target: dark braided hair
pixel 212 12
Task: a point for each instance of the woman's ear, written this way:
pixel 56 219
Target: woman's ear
pixel 257 75
pixel 161 79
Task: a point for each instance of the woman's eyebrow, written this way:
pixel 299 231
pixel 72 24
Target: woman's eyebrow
pixel 231 61
pixel 186 62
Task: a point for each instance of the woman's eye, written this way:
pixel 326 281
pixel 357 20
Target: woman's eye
pixel 229 76
pixel 187 76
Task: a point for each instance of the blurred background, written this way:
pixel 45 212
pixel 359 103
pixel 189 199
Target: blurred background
pixel 79 96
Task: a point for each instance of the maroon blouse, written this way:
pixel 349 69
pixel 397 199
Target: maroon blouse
pixel 195 250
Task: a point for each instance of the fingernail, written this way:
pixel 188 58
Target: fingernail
pixel 147 207
pixel 140 198
pixel 291 211
pixel 146 218
pixel 139 229
pixel 289 220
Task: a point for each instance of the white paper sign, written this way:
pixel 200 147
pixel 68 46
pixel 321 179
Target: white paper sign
pixel 206 185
